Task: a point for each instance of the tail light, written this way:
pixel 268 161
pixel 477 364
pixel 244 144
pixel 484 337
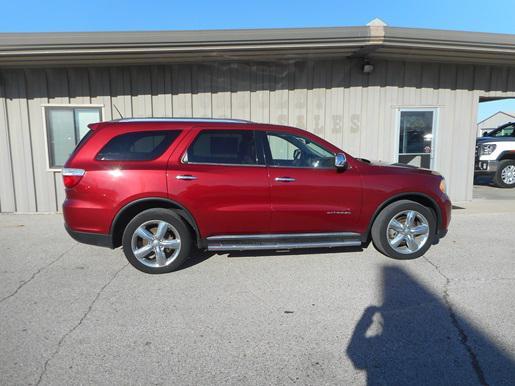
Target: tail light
pixel 71 177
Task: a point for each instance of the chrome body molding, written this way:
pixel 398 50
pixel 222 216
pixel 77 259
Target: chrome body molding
pixel 282 236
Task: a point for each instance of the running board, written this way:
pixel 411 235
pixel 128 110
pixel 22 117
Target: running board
pixel 283 241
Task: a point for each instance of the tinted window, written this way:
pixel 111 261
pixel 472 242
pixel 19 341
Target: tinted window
pixel 293 151
pixel 224 147
pixel 137 146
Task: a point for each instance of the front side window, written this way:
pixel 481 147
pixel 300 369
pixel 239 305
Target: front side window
pixel 232 147
pixel 65 127
pixel 506 131
pixel 290 150
pixel 137 146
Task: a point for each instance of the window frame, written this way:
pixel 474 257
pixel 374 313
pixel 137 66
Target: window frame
pixel 259 149
pixel 71 106
pixel 268 151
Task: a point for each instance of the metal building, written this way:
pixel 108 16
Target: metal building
pixel 383 93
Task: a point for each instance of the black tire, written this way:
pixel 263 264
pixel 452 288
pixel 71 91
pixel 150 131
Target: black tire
pixel 148 217
pixel 498 178
pixel 379 228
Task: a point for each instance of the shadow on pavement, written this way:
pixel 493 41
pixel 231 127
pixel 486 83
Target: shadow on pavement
pixel 415 338
pixel 199 256
pixel 300 251
pixel 484 181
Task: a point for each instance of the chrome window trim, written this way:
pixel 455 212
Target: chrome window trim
pixel 221 164
pixel 302 167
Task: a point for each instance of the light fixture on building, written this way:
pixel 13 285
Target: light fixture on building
pixel 367 67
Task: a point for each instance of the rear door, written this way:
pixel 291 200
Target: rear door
pixel 222 179
pixel 308 194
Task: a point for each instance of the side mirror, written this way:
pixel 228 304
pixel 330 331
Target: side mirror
pixel 340 161
pixel 485 133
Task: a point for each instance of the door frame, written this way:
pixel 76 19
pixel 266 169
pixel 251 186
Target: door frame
pixel 436 114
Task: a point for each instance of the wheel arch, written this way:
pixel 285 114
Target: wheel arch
pixel 510 155
pixel 127 212
pixel 420 198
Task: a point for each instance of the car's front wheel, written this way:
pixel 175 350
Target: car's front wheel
pixel 505 175
pixel 156 241
pixel 404 230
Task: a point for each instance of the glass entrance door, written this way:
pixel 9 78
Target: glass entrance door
pixel 416 134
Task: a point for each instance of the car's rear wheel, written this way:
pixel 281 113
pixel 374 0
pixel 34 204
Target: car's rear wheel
pixel 404 230
pixel 156 241
pixel 505 175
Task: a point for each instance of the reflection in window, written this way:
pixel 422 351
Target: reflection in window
pixel 138 146
pixel 293 151
pixel 65 127
pixel 224 147
pixel 416 137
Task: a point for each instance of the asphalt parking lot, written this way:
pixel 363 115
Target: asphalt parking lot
pixel 74 314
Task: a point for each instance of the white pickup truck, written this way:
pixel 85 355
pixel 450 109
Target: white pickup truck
pixel 495 155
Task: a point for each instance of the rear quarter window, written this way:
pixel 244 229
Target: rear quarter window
pixel 137 146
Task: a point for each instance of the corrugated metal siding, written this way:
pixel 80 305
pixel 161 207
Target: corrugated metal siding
pixel 331 98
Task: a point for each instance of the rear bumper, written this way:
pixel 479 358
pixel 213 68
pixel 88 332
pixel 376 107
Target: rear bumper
pixel 98 239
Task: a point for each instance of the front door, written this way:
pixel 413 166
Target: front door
pixel 416 132
pixel 223 181
pixel 308 194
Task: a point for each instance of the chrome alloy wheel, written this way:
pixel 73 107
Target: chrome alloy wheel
pixel 508 175
pixel 156 243
pixel 407 232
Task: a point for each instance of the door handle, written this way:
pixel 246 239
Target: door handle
pixel 185 177
pixel 285 179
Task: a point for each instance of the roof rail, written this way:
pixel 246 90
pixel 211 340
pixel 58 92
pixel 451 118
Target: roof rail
pixel 226 120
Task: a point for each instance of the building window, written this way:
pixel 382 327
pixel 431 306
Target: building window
pixel 416 137
pixel 65 126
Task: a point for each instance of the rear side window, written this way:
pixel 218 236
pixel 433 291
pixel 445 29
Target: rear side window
pixel 137 146
pixel 234 147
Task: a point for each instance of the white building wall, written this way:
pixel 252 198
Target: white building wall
pixel 331 98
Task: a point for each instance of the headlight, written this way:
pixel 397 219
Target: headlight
pixel 443 187
pixel 487 149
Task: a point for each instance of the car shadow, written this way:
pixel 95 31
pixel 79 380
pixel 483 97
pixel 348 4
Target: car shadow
pixel 297 251
pixel 196 257
pixel 199 256
pixel 484 181
pixel 415 337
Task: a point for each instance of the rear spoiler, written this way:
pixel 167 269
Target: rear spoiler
pixel 98 125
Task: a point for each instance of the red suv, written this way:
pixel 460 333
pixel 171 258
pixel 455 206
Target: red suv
pixel 160 187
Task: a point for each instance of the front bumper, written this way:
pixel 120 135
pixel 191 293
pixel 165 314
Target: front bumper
pixel 485 167
pixel 98 239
